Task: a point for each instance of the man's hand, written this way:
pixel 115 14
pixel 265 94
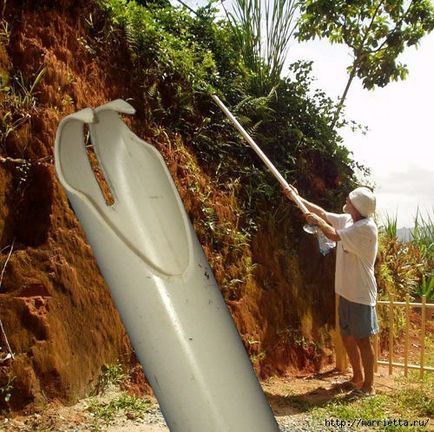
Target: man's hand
pixel 289 192
pixel 327 229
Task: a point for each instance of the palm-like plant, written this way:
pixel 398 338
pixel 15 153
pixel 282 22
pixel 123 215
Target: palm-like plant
pixel 402 268
pixel 262 29
pixel 423 235
pixel 426 287
pixel 390 226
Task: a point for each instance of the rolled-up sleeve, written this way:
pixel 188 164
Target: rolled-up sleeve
pixel 337 220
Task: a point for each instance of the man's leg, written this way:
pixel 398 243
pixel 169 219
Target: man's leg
pixel 352 349
pixel 367 354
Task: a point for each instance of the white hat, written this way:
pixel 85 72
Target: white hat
pixel 363 200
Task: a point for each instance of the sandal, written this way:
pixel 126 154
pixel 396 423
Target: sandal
pixel 359 393
pixel 347 386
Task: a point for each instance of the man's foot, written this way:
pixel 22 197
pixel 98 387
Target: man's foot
pixel 349 385
pixel 360 393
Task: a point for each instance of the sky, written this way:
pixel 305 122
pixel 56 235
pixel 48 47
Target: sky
pixel 399 145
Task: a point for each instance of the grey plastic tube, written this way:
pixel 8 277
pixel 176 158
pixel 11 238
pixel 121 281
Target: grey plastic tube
pixel 159 278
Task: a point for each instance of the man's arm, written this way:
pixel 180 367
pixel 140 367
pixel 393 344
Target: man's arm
pixel 329 231
pixel 317 216
pixel 313 208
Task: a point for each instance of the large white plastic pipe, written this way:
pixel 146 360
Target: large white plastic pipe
pixel 159 278
pixel 261 154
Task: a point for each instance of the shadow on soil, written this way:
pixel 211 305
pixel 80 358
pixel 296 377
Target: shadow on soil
pixel 299 395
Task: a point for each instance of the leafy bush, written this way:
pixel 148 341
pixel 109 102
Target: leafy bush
pixel 405 268
pixel 291 126
pixel 177 57
pixel 180 58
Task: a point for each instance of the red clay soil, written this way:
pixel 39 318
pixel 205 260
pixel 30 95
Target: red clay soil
pixel 55 307
pixel 54 304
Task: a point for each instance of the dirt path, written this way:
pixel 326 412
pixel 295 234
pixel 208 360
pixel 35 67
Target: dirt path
pixel 287 396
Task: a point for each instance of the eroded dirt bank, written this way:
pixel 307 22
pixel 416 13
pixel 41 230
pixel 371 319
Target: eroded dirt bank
pixel 54 304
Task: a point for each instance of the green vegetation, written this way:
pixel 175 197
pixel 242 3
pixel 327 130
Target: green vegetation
pixel 18 95
pixel 192 55
pixel 111 375
pixel 177 60
pixel 416 394
pixel 390 228
pixel 181 57
pixel 263 48
pixel 407 267
pixel 105 412
pixel 7 388
pixel 404 269
pixel 257 358
pixel 401 268
pixel 177 57
pixel 25 92
pixel 106 408
pixel 423 235
pixel 426 287
pixel 376 31
pixel 412 401
pixel 17 102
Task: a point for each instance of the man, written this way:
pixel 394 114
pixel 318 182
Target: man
pixel 357 242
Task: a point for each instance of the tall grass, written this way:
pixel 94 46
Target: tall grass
pixel 426 288
pixel 407 267
pixel 423 234
pixel 263 30
pixel 390 226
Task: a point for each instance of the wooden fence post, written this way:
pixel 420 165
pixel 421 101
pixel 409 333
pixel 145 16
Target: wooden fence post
pixel 425 309
pixel 391 336
pixel 422 336
pixel 341 354
pixel 376 350
pixel 407 333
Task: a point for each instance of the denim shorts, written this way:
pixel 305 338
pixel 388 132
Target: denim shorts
pixel 357 320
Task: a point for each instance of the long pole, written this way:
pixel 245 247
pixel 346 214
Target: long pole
pixel 262 155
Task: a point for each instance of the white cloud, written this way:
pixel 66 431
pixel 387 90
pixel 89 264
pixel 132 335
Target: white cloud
pixel 414 181
pixel 404 193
